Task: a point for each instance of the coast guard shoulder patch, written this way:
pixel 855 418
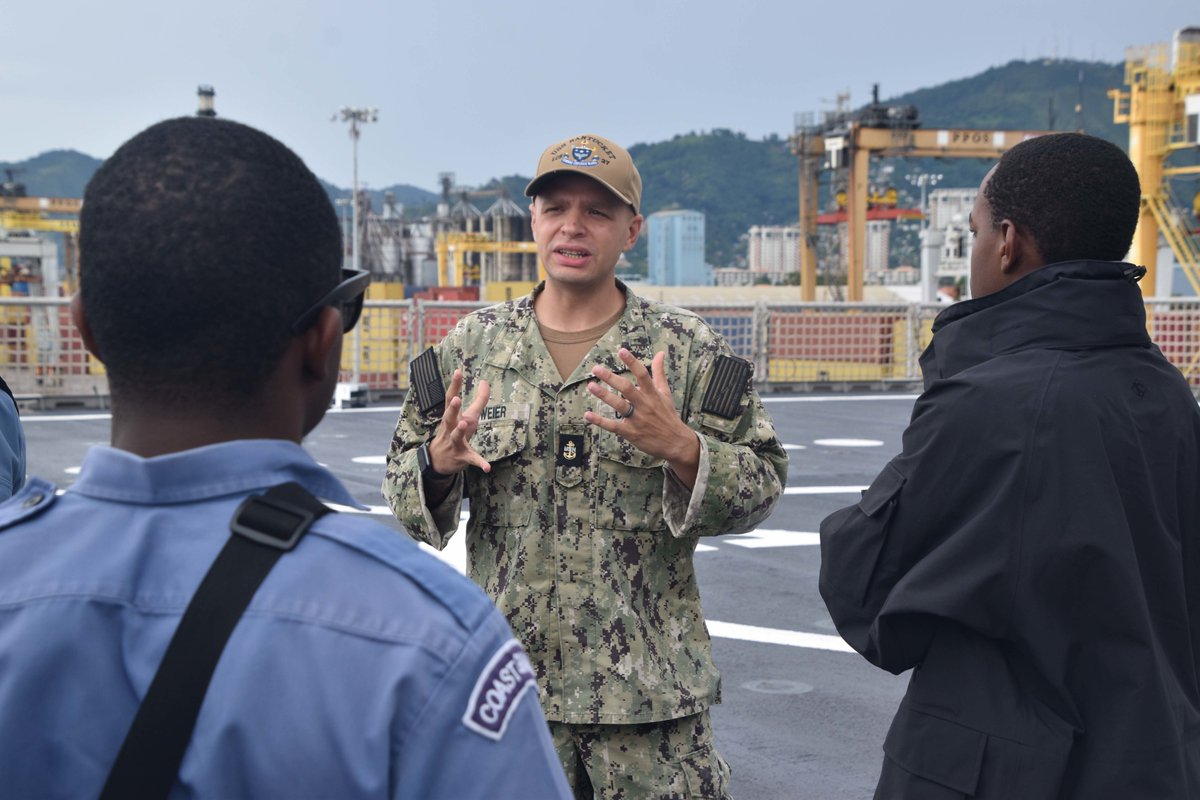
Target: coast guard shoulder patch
pixel 498 690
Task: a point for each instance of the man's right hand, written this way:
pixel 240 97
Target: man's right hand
pixel 450 450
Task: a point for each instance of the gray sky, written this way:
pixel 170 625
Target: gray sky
pixel 479 88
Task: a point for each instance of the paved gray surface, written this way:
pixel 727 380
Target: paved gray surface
pixel 797 723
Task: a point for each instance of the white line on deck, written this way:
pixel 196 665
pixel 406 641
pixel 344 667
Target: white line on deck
pixel 753 633
pixel 824 398
pixel 766 537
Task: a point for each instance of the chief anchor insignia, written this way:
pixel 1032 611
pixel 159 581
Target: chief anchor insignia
pixel 570 449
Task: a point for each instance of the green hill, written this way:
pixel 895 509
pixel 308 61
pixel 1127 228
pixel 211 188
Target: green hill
pixel 55 173
pixel 1021 95
pixel 737 182
pixel 65 173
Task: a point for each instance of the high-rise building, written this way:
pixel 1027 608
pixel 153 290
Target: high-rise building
pixel 949 212
pixel 878 245
pixel 676 249
pixel 774 251
pixel 950 207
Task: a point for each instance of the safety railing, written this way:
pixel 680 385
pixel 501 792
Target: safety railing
pixel 799 346
pixel 42 354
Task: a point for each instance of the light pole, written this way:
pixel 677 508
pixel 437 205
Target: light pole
pixel 931 241
pixel 356 117
pixel 924 180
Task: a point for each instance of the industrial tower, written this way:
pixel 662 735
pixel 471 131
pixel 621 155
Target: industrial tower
pixel 1162 108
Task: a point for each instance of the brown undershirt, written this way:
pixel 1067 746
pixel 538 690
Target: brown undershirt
pixel 568 348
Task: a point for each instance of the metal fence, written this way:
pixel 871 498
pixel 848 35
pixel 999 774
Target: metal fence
pixel 803 346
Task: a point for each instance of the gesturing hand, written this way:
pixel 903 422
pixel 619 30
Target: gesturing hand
pixel 450 450
pixel 646 414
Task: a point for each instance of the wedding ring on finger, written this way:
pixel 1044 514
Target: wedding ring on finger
pixel 627 414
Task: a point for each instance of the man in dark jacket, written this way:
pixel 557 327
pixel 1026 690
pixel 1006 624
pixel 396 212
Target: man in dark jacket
pixel 1033 554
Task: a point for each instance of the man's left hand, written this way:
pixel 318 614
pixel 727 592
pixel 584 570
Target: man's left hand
pixel 646 415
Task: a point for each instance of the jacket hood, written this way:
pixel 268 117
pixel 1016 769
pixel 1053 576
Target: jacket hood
pixel 1073 305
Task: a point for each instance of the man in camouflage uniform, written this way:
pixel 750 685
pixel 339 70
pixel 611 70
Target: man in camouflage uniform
pixel 591 477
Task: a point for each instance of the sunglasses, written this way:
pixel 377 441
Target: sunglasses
pixel 347 296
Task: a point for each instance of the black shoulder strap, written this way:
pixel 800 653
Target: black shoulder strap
pixel 264 528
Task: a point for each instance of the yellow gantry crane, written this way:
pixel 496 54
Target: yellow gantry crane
pixel 878 130
pixel 25 221
pixel 32 214
pixel 1162 108
pixel 42 205
pixel 452 248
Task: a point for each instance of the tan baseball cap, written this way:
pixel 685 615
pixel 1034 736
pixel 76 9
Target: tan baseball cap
pixel 596 157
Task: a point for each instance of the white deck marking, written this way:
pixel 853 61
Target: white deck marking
pixel 859 398
pixel 382 511
pixel 766 537
pixel 64 417
pixel 848 442
pixel 823 489
pixel 753 633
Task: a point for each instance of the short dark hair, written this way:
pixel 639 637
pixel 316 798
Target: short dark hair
pixel 1077 195
pixel 201 241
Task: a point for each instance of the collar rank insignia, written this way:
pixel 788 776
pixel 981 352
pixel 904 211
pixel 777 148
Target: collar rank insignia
pixel 570 449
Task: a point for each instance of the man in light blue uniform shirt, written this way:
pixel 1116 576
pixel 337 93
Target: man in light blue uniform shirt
pixel 12 444
pixel 362 668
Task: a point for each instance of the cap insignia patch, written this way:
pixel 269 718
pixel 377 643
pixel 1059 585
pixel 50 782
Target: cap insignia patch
pixel 581 157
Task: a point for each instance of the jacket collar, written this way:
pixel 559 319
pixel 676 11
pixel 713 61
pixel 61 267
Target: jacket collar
pixel 1072 305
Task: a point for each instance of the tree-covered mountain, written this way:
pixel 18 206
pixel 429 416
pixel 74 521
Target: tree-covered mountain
pixel 55 173
pixel 65 173
pixel 739 182
pixel 410 197
pixel 1021 95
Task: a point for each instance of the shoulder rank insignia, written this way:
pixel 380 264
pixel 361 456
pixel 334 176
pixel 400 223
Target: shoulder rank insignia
pixel 425 379
pixel 729 381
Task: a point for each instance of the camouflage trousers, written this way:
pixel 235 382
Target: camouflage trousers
pixel 669 760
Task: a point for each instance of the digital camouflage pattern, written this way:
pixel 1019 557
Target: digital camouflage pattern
pixel 670 760
pixel 582 540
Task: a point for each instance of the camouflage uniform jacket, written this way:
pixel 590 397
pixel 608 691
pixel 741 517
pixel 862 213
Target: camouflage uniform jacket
pixel 583 541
